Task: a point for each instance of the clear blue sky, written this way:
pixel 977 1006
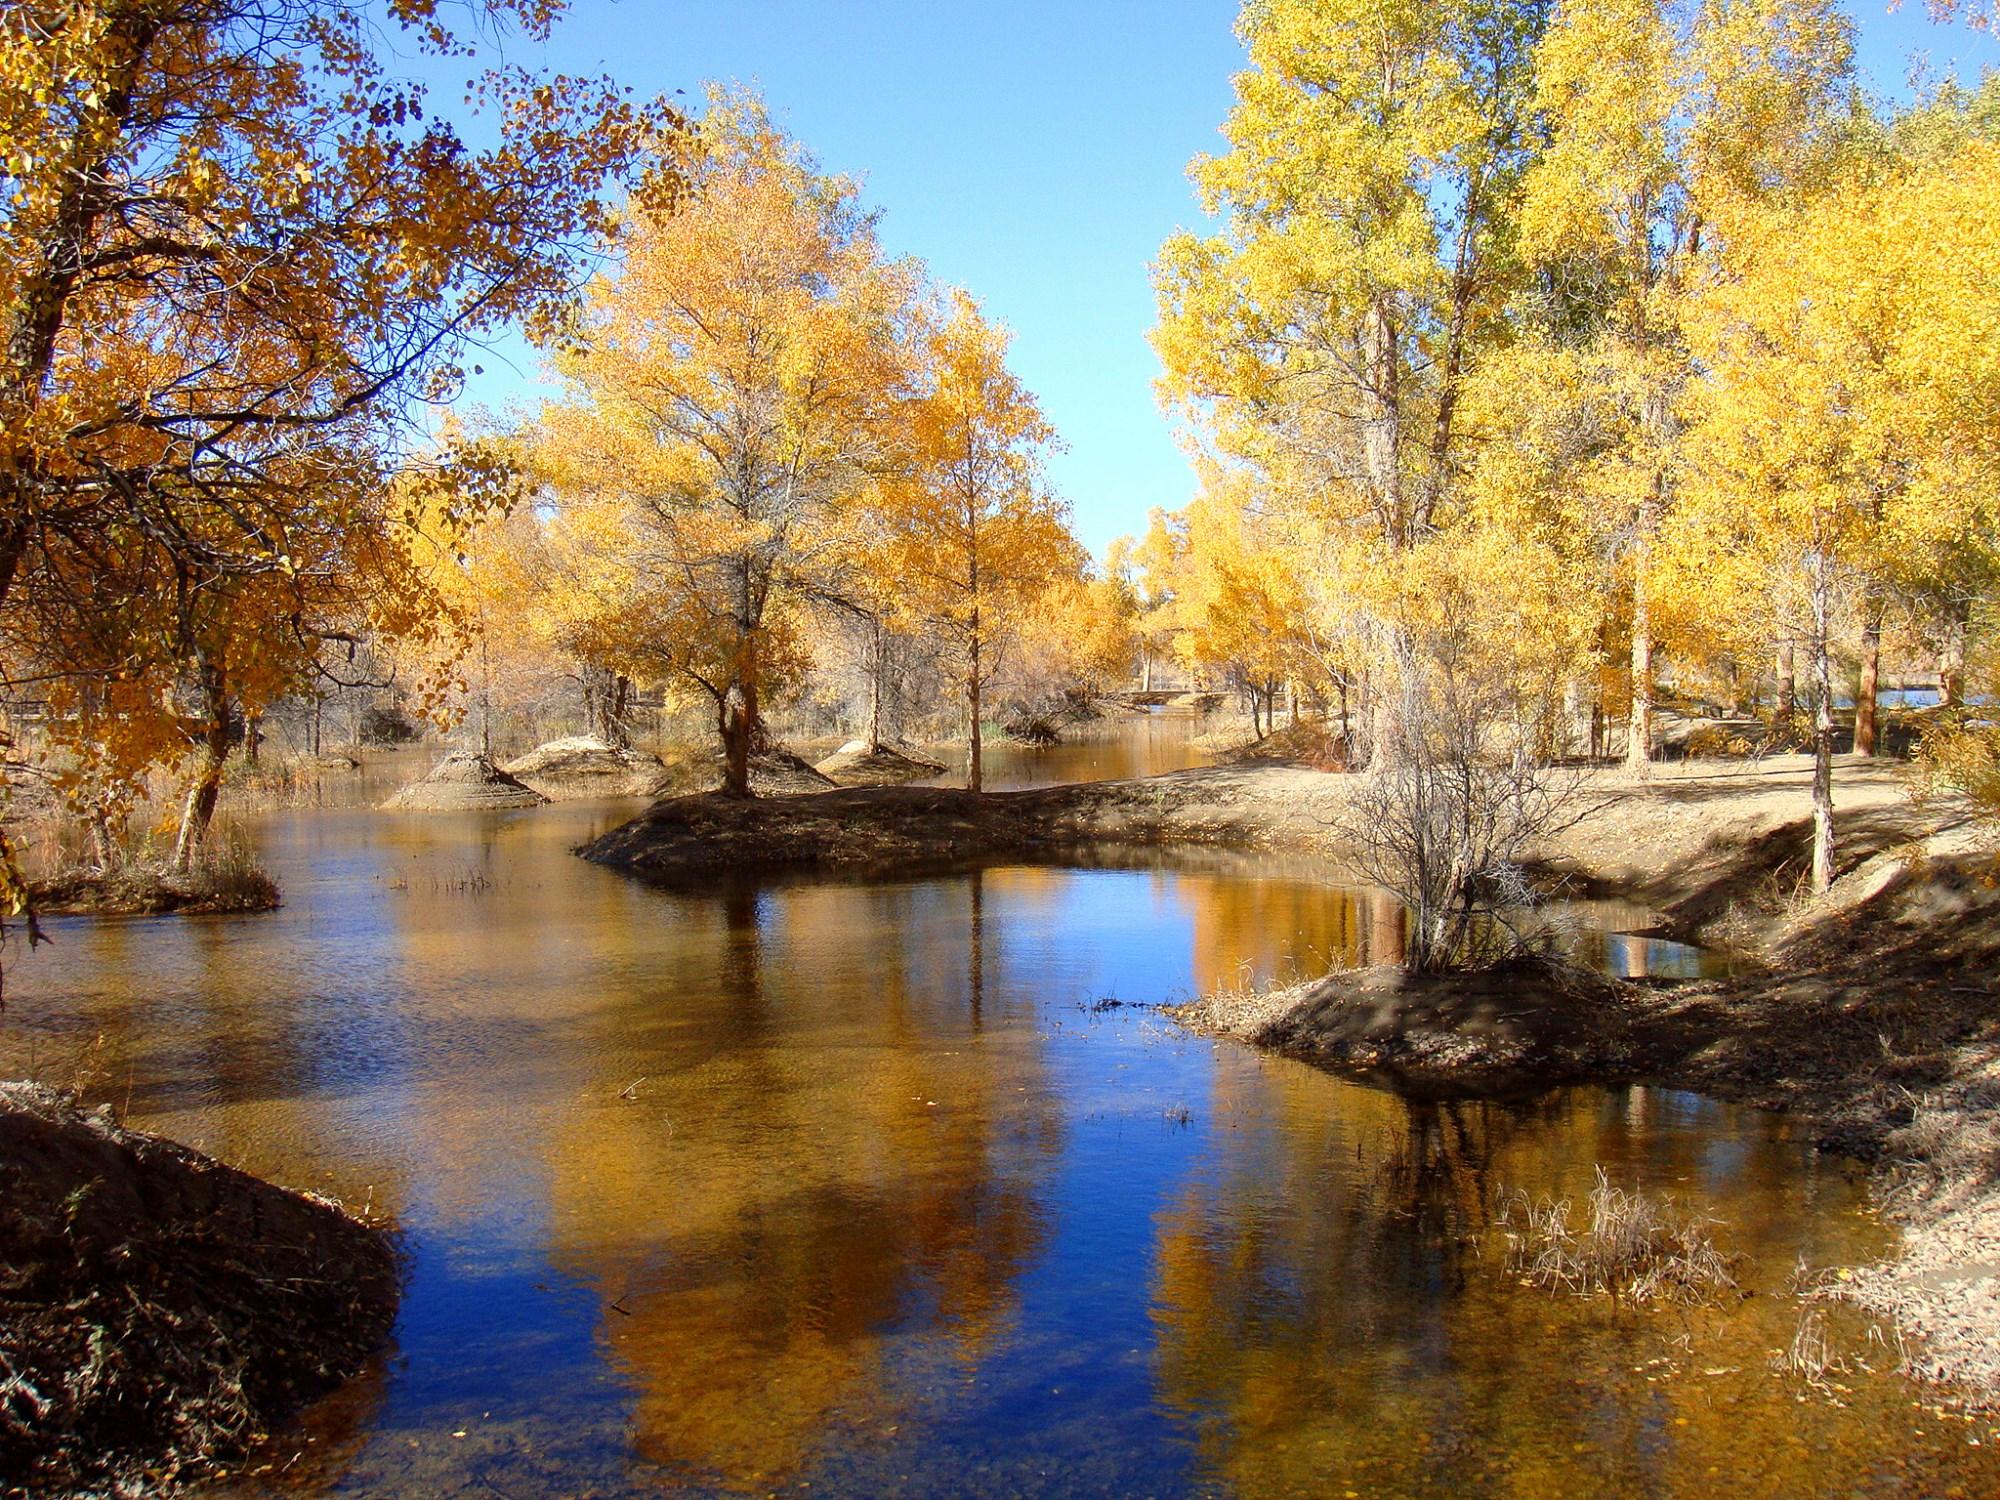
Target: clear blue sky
pixel 1033 152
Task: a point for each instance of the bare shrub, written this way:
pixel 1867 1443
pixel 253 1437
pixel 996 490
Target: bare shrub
pixel 1629 1246
pixel 1456 794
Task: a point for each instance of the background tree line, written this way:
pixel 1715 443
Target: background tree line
pixel 1628 337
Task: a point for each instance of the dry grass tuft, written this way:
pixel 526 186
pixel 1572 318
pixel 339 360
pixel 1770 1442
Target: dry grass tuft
pixel 1629 1247
pixel 224 876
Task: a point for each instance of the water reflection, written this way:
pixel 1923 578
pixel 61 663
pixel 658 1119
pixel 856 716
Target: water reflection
pixel 1326 1324
pixel 766 1222
pixel 1110 749
pixel 854 1187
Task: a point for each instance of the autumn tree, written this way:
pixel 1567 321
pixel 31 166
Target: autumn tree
pixel 1327 332
pixel 727 387
pixel 1076 638
pixel 1846 424
pixel 236 254
pixel 975 534
pixel 1664 122
pixel 1239 607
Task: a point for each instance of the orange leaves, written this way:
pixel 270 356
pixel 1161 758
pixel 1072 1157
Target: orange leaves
pixel 236 258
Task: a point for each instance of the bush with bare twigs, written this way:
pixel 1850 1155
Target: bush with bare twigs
pixel 1456 794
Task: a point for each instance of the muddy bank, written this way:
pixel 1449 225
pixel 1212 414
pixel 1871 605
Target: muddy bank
pixel 464 782
pixel 160 1312
pixel 586 766
pixel 773 773
pixel 148 891
pixel 877 830
pixel 1516 1028
pixel 855 764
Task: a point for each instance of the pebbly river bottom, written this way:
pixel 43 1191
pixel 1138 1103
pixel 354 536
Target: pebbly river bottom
pixel 863 1190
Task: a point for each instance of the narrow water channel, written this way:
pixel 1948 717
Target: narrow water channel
pixel 862 1190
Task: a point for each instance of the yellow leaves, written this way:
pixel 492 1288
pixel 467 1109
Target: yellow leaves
pixel 1234 593
pixel 1658 126
pixel 970 532
pixel 729 389
pixel 1842 436
pixel 1609 79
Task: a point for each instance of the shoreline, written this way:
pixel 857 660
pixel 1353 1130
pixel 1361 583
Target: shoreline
pixel 1872 1014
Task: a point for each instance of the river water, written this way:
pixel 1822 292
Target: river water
pixel 849 1189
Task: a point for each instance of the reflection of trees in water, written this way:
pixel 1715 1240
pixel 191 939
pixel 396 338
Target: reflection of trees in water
pixel 1434 1176
pixel 975 947
pixel 1335 1222
pixel 832 1181
pixel 1327 1316
pixel 1256 931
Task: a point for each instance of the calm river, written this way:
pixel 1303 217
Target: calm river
pixel 859 1190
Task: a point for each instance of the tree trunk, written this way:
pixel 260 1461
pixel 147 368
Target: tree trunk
pixel 1822 681
pixel 485 695
pixel 1381 430
pixel 738 712
pixel 1639 730
pixel 878 666
pixel 1951 658
pixel 739 703
pixel 1866 718
pixel 1788 685
pixel 617 728
pixel 198 812
pixel 595 716
pixel 13 543
pixel 253 738
pixel 1381 726
pixel 974 772
pixel 104 848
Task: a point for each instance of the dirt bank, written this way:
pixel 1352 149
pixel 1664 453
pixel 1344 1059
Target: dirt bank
pixel 147 890
pixel 855 764
pixel 160 1312
pixel 1518 1028
pixel 1713 839
pixel 464 782
pixel 874 830
pixel 1873 1013
pixel 584 765
pixel 773 773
